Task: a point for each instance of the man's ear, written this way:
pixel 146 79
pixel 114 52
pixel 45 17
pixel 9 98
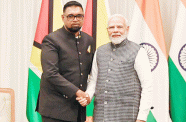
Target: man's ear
pixel 62 16
pixel 107 29
pixel 127 29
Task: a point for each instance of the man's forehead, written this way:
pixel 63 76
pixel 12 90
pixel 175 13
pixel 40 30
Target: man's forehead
pixel 116 20
pixel 115 24
pixel 74 9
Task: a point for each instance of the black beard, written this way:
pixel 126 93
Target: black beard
pixel 74 29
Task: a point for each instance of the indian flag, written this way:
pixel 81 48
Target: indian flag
pixel 177 67
pixel 146 29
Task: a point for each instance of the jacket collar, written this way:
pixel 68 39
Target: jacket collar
pixel 67 33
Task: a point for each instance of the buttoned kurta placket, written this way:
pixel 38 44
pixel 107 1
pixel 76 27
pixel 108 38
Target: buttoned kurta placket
pixel 109 82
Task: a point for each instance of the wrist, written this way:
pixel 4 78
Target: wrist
pixel 78 92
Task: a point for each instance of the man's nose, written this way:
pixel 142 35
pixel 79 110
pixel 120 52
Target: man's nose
pixel 75 19
pixel 115 29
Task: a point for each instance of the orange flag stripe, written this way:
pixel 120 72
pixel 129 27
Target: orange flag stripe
pixel 151 8
pixel 184 2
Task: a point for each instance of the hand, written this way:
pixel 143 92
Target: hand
pixel 81 93
pixel 82 97
pixel 89 119
pixel 88 98
pixel 140 121
pixel 82 101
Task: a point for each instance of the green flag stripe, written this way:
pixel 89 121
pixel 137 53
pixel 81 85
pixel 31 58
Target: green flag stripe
pixel 90 108
pixel 177 94
pixel 32 95
pixel 151 118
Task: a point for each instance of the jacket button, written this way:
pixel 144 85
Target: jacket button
pixel 105 102
pixel 79 53
pixel 81 85
pixel 81 73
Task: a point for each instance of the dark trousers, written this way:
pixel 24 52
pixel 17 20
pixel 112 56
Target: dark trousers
pixel 48 119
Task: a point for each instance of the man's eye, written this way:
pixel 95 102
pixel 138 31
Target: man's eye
pixel 79 15
pixel 111 27
pixel 120 26
pixel 70 16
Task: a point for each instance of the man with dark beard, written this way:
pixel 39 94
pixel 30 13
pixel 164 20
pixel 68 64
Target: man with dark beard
pixel 66 60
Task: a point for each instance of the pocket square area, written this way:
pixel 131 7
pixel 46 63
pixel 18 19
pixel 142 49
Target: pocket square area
pixel 89 49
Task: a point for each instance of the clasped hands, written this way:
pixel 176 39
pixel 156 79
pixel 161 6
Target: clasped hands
pixel 83 98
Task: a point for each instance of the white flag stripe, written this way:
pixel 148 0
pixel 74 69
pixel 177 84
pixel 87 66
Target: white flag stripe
pixel 140 33
pixel 35 70
pixel 179 38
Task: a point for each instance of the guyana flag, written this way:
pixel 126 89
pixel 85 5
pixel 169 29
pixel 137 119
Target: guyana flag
pixel 103 13
pixel 49 21
pixel 35 69
pixel 177 67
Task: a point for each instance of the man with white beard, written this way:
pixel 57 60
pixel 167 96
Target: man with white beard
pixel 120 78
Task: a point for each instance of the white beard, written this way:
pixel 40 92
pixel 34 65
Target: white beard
pixel 117 40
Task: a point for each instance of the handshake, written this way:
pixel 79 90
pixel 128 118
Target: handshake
pixel 83 98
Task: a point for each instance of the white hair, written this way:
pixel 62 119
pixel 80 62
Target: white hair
pixel 118 15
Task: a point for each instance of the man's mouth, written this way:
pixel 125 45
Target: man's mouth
pixel 116 36
pixel 75 25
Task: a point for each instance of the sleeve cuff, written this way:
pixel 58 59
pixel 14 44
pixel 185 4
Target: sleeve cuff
pixel 71 95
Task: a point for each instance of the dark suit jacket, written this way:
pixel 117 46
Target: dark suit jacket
pixel 66 63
